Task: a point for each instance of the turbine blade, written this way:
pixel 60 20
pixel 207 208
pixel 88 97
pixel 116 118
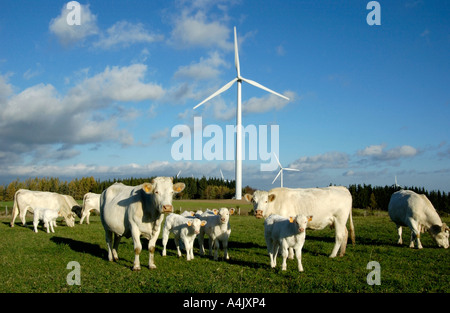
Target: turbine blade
pixel 251 82
pixel 218 92
pixel 291 169
pixel 236 54
pixel 277 176
pixel 278 161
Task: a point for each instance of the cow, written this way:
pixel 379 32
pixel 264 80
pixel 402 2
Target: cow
pixel 409 209
pixel 282 232
pixel 127 211
pixel 47 216
pixel 185 228
pixel 91 202
pixel 27 200
pixel 331 206
pixel 218 230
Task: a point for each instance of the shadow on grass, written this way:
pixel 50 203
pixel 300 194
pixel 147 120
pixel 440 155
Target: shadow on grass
pixel 81 246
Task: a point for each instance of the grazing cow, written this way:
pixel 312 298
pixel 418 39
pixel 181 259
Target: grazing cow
pixel 47 216
pixel 27 200
pixel 91 202
pixel 218 230
pixel 407 208
pixel 184 228
pixel 136 211
pixel 286 233
pixel 331 206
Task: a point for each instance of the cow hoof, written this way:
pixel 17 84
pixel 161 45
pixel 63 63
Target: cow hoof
pixel 136 269
pixel 152 266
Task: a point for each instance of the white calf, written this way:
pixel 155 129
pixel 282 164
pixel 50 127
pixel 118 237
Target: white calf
pixel 47 216
pixel 287 233
pixel 186 228
pixel 217 229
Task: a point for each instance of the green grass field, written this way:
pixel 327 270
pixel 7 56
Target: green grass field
pixel 31 262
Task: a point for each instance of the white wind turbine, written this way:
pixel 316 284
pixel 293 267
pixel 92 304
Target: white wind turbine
pixel 281 171
pixel 238 79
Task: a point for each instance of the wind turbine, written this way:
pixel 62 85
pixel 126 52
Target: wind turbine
pixel 281 171
pixel 238 79
pixel 221 174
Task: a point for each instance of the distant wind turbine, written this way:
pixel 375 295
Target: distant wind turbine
pixel 179 172
pixel 281 171
pixel 238 79
pixel 221 174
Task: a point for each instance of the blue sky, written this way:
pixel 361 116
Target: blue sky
pixel 367 103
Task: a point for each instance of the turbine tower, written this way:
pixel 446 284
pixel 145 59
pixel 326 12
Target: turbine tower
pixel 281 171
pixel 238 79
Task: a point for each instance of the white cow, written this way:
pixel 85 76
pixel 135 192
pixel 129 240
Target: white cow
pixel 286 233
pixel 27 200
pixel 218 230
pixel 184 228
pixel 331 206
pixel 47 216
pixel 407 208
pixel 136 211
pixel 91 202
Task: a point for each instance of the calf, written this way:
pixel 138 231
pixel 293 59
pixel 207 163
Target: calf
pixel 217 229
pixel 186 228
pixel 47 216
pixel 287 233
pixel 407 208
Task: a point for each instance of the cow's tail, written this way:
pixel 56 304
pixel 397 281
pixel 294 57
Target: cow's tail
pixel 15 210
pixel 352 228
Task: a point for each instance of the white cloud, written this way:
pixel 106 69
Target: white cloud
pixel 206 68
pixel 328 160
pixel 71 34
pixel 379 153
pixel 267 102
pixel 196 31
pixel 124 33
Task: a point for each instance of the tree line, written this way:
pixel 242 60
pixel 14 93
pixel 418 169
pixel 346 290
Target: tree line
pixel 364 196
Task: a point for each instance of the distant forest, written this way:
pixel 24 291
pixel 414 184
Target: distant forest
pixel 364 196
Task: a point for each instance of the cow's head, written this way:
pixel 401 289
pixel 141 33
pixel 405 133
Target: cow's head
pixel 69 218
pixel 162 189
pixel 195 225
pixel 259 199
pixel 440 235
pixel 301 221
pixel 224 214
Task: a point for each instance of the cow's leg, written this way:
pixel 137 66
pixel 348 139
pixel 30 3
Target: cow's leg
pixel 165 239
pixel 225 249
pixel 340 231
pixel 344 242
pixel 151 250
pixel 177 244
pixel 415 234
pixel 15 213
pixel 22 216
pixel 136 236
pixel 399 232
pixel 109 243
pixel 216 249
pixel 87 217
pixel 298 254
pixel 115 249
pixel 284 254
pixel 200 239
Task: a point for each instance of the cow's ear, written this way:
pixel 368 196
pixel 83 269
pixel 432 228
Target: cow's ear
pixel 148 188
pixel 203 223
pixel 215 211
pixel 189 223
pixel 272 197
pixel 248 197
pixel 178 187
pixel 291 219
pixel 310 218
pixel 232 211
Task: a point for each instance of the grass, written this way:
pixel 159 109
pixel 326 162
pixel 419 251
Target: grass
pixel 31 262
